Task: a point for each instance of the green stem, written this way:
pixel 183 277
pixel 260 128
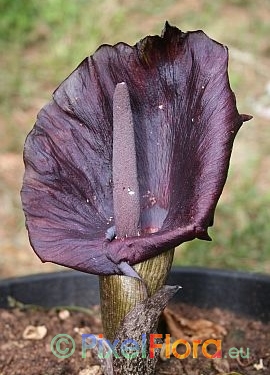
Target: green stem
pixel 119 294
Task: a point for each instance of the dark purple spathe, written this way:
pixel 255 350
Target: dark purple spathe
pixel 185 120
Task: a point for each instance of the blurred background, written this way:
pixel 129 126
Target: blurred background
pixel 41 42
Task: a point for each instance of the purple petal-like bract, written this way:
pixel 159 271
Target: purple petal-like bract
pixel 185 120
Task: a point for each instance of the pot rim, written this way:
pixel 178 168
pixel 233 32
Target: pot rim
pixel 238 291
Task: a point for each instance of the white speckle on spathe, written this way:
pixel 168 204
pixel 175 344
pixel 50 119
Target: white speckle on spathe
pixel 87 200
pixel 160 106
pixel 203 87
pixel 192 120
pixel 130 191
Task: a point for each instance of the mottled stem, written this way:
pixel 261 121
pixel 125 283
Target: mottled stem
pixel 120 294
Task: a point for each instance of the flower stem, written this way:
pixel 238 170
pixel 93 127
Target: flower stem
pixel 119 294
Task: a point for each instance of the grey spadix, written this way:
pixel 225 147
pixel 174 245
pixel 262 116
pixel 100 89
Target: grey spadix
pixel 126 199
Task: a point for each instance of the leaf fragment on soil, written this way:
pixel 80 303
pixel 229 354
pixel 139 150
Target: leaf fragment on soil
pixel 190 330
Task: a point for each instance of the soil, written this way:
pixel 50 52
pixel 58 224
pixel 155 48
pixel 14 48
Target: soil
pixel 26 349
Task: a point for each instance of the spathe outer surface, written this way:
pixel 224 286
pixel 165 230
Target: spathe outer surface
pixel 185 120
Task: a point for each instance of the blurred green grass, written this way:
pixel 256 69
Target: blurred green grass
pixel 43 41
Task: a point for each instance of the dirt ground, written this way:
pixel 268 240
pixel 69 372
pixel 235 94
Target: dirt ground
pixel 244 343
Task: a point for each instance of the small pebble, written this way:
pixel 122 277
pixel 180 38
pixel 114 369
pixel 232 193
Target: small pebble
pixel 81 330
pixel 64 314
pixel 259 366
pixel 34 333
pixel 93 370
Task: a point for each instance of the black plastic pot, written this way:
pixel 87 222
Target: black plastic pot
pixel 244 293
